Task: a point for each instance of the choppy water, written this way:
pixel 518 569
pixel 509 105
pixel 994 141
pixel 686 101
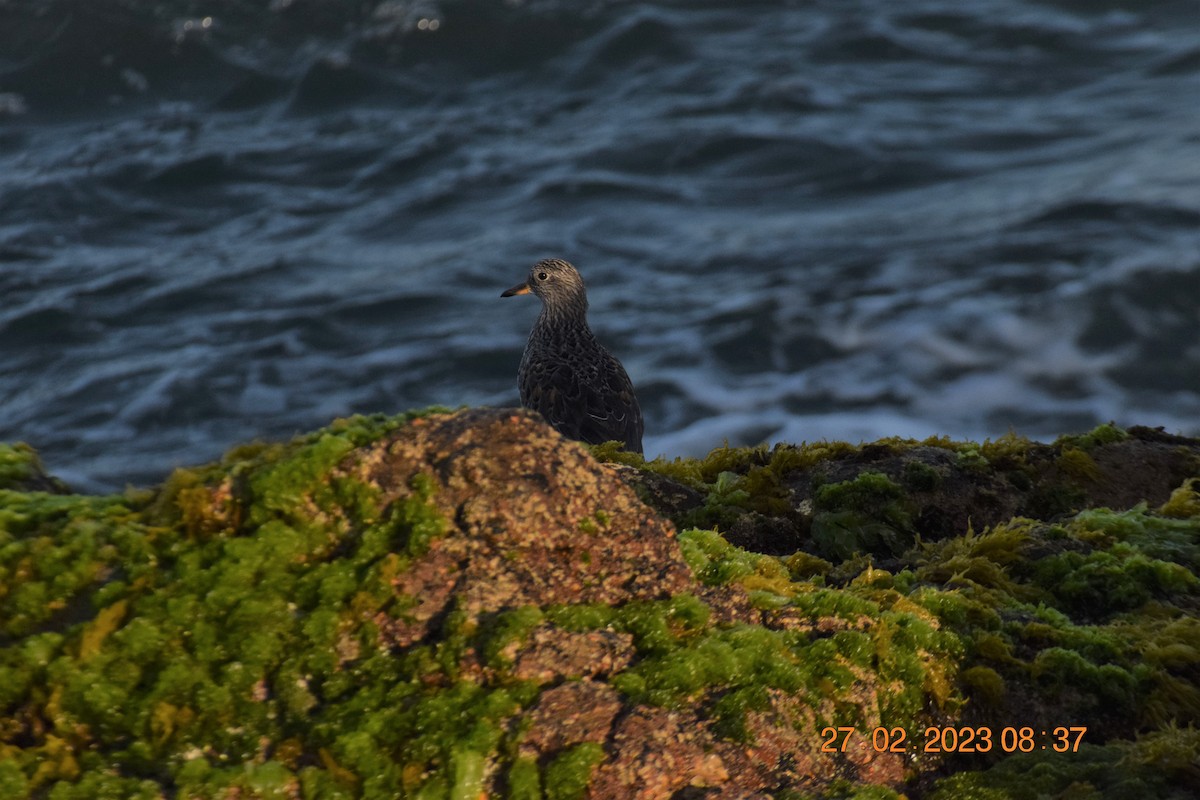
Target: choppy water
pixel 229 220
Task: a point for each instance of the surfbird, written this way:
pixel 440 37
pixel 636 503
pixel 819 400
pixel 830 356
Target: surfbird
pixel 565 374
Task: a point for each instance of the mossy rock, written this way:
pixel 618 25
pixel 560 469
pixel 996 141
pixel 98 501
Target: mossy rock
pixel 402 607
pixel 21 470
pixel 461 605
pixel 836 500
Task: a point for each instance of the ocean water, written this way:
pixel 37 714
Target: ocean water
pixel 224 221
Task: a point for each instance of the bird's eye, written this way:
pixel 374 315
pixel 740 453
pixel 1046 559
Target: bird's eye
pixel 542 276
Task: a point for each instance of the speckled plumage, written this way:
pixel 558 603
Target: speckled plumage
pixel 565 374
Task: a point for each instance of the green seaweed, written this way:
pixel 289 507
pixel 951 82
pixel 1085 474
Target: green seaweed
pixel 505 631
pixel 55 550
pixel 567 776
pixel 173 652
pixel 1107 433
pixel 733 479
pixel 226 636
pixel 737 664
pixel 867 514
pixel 21 470
pixel 1160 764
pixel 1076 463
pixel 716 562
pixel 1184 501
pixel 524 780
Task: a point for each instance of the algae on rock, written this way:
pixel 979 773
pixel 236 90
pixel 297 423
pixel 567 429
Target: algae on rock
pixel 461 605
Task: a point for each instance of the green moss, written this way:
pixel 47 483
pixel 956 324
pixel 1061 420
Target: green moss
pixel 868 514
pixel 732 460
pixel 725 503
pixel 416 519
pixel 1184 501
pixel 660 627
pixel 524 780
pixel 1108 433
pixel 13 782
pixel 97 785
pixel 1116 770
pixel 736 657
pixel 56 550
pixel 567 776
pixel 873 793
pixel 716 562
pixel 1007 452
pixel 1110 581
pixel 1171 539
pixel 697 473
pixel 1173 750
pixel 469 769
pixel 975 563
pixel 1076 463
pixel 730 670
pixel 20 468
pixel 802 566
pixel 734 480
pixel 1087 620
pixel 229 616
pixel 223 637
pixel 580 618
pixel 507 630
pixel 984 685
pixel 842 789
pixel 920 477
pixel 615 453
pixel 1059 668
pixel 972 459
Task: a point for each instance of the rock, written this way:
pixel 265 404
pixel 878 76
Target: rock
pixel 770 501
pixel 465 605
pixel 536 520
pixel 21 471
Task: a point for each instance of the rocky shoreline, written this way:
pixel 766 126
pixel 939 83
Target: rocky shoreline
pixel 464 605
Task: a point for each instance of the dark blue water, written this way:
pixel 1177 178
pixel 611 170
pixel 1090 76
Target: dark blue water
pixel 229 220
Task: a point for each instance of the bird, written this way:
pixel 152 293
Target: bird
pixel 565 374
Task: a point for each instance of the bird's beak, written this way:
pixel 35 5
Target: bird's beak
pixel 520 288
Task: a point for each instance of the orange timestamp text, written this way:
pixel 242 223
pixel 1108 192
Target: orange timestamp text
pixel 956 740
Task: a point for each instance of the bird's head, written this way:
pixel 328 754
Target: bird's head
pixel 556 282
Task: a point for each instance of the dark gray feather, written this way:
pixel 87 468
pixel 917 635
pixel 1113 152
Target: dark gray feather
pixel 566 375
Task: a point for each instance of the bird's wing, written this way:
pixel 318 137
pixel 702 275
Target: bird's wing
pixel 613 408
pixel 586 406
